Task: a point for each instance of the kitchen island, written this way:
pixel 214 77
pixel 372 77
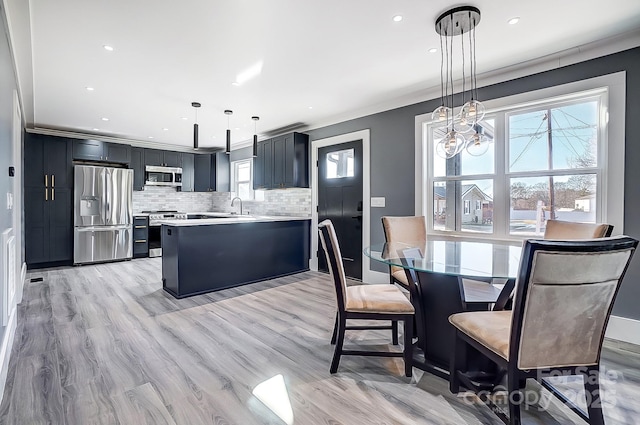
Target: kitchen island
pixel 209 254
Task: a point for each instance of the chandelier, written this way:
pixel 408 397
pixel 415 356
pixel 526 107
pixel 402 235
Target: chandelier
pixel 463 128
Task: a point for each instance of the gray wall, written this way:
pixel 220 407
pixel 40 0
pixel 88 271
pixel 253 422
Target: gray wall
pixel 393 138
pixel 7 86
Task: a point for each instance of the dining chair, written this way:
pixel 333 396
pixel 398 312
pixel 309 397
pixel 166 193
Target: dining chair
pixel 564 295
pixel 364 302
pixel 557 229
pixel 405 230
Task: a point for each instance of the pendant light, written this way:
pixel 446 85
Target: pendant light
pixel 255 136
pixel 228 113
pixel 196 105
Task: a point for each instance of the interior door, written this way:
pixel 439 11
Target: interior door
pixel 340 200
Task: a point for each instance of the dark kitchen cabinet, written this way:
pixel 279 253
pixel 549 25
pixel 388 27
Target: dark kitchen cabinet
pixel 96 150
pixel 137 165
pixel 282 162
pixel 162 158
pixel 212 173
pixel 48 200
pixel 188 172
pixel 140 236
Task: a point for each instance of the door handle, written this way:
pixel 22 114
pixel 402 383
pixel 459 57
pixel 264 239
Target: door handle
pixel 53 180
pixel 358 217
pixel 46 194
pixel 141 241
pixel 46 180
pixel 53 194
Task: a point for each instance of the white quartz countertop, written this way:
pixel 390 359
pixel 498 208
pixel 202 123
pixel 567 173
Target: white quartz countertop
pixel 222 218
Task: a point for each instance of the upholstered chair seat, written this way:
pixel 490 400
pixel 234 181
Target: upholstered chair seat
pixel 377 299
pixel 492 329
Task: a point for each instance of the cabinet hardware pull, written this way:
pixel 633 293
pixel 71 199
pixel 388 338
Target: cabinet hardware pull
pixel 46 194
pixel 46 180
pixel 53 194
pixel 141 227
pixel 53 180
pixel 141 241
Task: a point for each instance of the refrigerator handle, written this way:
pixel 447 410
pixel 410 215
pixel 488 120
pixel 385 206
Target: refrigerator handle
pixel 108 197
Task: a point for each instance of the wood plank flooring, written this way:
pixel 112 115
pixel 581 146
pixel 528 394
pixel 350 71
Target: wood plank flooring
pixel 103 344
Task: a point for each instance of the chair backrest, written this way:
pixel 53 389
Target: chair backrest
pixel 565 292
pixel 557 229
pixel 404 229
pixel 331 248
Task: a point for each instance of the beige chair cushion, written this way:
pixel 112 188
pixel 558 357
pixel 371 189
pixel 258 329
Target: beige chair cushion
pixel 490 328
pixel 410 230
pixel 377 299
pixel 401 277
pixel 556 229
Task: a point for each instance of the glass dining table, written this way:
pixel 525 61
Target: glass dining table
pixel 449 275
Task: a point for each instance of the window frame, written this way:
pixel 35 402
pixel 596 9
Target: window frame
pixel 234 177
pixel 610 90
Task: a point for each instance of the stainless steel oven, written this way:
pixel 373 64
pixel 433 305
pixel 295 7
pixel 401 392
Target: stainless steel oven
pixel 155 237
pixel 163 176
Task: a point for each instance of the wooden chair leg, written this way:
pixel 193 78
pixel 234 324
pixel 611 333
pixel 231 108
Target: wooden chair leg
pixel 408 345
pixel 515 397
pixel 335 330
pixel 592 391
pixel 342 324
pixel 394 332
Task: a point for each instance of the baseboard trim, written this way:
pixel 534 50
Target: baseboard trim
pixel 5 350
pixel 624 329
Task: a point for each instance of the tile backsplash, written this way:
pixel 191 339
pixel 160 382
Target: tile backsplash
pixel 295 202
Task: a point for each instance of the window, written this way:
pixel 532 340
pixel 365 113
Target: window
pixel 242 179
pixel 340 164
pixel 548 157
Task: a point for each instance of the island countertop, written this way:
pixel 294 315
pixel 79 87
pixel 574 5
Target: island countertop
pixel 230 219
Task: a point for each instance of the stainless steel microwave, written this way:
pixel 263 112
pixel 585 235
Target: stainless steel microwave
pixel 163 176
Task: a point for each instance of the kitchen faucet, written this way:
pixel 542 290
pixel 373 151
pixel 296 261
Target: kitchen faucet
pixel 239 199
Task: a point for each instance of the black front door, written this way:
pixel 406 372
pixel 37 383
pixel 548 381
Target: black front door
pixel 340 200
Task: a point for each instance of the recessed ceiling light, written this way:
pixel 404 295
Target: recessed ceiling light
pixel 165 129
pixel 108 48
pixel 513 20
pixel 185 118
pixel 150 137
pixel 237 128
pixel 310 107
pixel 105 119
pixel 96 129
pixel 235 83
pixel 214 137
pixel 432 50
pixel 89 88
pixel 397 18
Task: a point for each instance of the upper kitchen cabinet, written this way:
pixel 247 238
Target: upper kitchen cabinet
pixel 188 169
pixel 96 150
pixel 137 165
pixel 162 158
pixel 282 162
pixel 212 173
pixel 48 200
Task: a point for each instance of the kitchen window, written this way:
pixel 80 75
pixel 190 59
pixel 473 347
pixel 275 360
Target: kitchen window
pixel 242 179
pixel 547 158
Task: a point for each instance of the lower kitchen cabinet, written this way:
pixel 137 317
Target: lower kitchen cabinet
pixel 140 236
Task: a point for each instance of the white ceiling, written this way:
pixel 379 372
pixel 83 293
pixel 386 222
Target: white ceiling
pixel 320 59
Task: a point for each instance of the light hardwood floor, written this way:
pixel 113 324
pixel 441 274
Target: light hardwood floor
pixel 103 344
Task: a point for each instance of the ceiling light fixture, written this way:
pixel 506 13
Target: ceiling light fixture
pixel 196 105
pixel 433 50
pixel 513 20
pixel 89 88
pixel 228 113
pixel 105 119
pixel 108 48
pixel 459 21
pixel 255 136
pixel 149 137
pixel 165 129
pixel 397 18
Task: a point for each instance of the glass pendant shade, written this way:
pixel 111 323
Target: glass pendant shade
pixel 473 111
pixel 441 113
pixel 450 145
pixel 478 145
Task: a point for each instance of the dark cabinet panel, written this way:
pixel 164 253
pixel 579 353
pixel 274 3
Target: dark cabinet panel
pixel 282 162
pixel 140 237
pixel 89 150
pixel 188 172
pixel 114 152
pixel 137 164
pixel 172 159
pixel 153 157
pixel 212 173
pixel 48 200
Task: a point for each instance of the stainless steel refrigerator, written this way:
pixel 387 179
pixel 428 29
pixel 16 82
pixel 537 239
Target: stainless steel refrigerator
pixel 103 214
